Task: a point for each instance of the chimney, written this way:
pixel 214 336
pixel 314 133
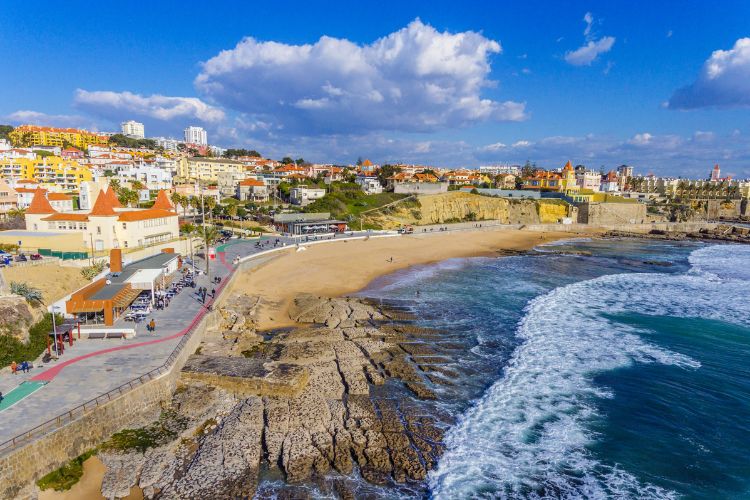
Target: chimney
pixel 115 260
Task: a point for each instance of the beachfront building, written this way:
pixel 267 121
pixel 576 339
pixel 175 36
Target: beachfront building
pixel 208 169
pixel 308 224
pixel 104 300
pixel 303 195
pixel 108 224
pixel 33 135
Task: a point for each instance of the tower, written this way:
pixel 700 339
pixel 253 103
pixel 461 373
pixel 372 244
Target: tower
pixel 716 174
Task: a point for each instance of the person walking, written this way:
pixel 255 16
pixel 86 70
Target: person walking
pixel 213 292
pixel 152 325
pixel 14 367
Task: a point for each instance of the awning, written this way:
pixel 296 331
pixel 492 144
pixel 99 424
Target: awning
pixel 88 308
pixel 126 298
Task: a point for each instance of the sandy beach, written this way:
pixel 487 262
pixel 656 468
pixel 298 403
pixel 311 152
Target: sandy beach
pixel 336 269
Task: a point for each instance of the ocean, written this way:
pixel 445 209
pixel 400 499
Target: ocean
pixel 620 371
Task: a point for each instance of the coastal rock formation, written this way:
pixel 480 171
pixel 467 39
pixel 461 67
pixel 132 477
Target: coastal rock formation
pixel 720 232
pixel 458 206
pixel 332 422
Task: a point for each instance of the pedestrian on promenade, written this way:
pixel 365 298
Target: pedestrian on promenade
pixel 152 325
pixel 14 367
pixel 213 292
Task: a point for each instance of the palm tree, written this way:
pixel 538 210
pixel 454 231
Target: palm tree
pixel 114 184
pixel 210 236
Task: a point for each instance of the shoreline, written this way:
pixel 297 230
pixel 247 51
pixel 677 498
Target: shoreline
pixel 346 267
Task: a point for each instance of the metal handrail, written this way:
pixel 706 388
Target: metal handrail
pixel 70 415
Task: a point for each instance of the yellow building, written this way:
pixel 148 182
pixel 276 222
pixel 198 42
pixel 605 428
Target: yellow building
pixel 208 169
pixel 568 183
pixel 33 135
pixel 49 171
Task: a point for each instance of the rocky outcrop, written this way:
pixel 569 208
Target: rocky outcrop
pixel 334 423
pixel 16 317
pixel 721 232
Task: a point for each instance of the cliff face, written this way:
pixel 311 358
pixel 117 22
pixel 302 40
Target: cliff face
pixel 458 206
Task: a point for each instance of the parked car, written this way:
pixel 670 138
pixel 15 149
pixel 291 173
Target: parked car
pixel 21 258
pixel 36 256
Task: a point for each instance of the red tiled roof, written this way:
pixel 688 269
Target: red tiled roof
pixel 162 201
pixel 252 182
pixel 58 197
pixel 40 204
pixel 110 193
pixel 149 213
pixel 103 205
pixel 71 217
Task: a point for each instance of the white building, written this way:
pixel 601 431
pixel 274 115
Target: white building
pixel 167 143
pixel 133 129
pixel 196 135
pixel 154 178
pixel 370 185
pixel 494 170
pixel 303 195
pixel 588 179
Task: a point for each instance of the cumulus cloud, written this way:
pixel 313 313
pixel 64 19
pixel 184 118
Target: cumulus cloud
pixel 28 117
pixel 592 48
pixel 724 81
pixel 122 105
pixel 415 79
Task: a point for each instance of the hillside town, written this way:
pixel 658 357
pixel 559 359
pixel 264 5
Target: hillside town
pixel 51 180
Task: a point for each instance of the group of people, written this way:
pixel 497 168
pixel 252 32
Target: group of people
pixel 203 292
pixel 24 366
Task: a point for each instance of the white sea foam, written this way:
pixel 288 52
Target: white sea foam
pixel 527 435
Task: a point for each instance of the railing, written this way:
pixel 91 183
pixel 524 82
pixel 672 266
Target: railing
pixel 80 410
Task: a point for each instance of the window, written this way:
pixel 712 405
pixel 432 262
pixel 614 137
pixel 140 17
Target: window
pixel 124 225
pixel 98 230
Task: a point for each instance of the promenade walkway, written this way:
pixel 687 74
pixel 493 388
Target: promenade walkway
pixel 93 367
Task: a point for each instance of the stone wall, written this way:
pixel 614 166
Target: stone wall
pixel 134 408
pixel 612 213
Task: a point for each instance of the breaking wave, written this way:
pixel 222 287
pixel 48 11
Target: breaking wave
pixel 527 436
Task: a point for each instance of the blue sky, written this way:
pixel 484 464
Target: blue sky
pixel 445 83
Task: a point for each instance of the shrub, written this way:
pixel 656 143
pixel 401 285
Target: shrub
pixel 65 477
pixel 91 272
pixel 12 349
pixel 9 247
pixel 32 295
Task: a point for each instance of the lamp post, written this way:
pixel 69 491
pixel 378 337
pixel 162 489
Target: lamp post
pixel 54 331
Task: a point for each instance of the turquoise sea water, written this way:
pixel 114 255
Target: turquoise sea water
pixel 623 374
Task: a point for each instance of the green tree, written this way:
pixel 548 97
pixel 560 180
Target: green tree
pixel 286 160
pixel 387 171
pixel 5 131
pixel 32 295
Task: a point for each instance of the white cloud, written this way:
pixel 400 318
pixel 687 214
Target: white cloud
pixel 669 34
pixel 592 48
pixel 29 117
pixel 587 54
pixel 415 79
pixel 641 139
pixel 724 81
pixel 122 105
